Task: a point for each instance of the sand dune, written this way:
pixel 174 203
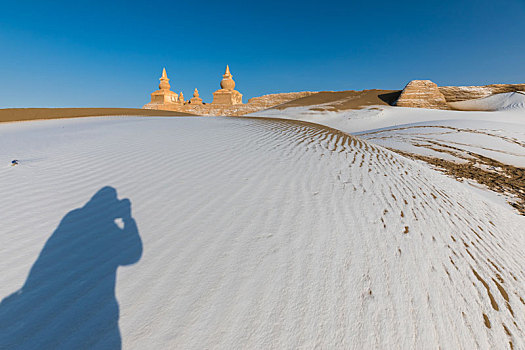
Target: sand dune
pixel 23 114
pixel 499 102
pixel 343 100
pixel 490 144
pixel 254 234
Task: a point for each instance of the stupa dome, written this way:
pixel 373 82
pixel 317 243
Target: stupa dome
pixel 164 81
pixel 227 82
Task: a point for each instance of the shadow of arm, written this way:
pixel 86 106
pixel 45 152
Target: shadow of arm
pixel 132 249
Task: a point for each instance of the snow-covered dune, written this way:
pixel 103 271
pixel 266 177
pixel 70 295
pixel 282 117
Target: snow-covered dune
pixel 498 135
pixel 227 233
pixel 498 102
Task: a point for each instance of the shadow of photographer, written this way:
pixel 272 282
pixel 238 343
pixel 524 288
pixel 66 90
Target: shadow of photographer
pixel 68 299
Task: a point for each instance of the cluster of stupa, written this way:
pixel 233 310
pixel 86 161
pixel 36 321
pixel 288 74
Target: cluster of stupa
pixel 164 98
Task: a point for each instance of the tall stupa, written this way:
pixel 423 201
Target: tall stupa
pixel 227 95
pixel 164 96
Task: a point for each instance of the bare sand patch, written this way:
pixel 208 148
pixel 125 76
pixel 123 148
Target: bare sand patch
pixel 343 100
pixel 503 178
pixel 23 114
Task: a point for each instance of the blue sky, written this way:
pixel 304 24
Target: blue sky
pixel 111 53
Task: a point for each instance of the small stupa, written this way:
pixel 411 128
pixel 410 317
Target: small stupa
pixel 227 95
pixel 196 100
pixel 164 95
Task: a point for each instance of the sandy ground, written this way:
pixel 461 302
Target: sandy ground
pixel 499 177
pixel 343 100
pixel 23 114
pixel 229 233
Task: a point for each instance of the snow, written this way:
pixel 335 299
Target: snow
pixel 499 135
pixel 381 117
pixel 498 102
pixel 250 233
pixel 494 197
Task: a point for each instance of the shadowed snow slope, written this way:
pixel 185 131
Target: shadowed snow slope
pixel 499 102
pixel 261 233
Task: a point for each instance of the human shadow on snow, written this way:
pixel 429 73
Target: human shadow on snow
pixel 68 300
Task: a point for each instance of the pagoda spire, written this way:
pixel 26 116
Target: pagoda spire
pixel 164 81
pixel 227 80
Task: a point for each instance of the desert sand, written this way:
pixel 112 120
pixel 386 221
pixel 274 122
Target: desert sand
pixel 343 100
pixel 24 114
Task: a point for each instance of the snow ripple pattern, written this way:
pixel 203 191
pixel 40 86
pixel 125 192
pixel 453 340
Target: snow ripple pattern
pixel 267 234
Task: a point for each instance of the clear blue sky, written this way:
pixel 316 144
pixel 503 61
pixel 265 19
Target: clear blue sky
pixel 111 53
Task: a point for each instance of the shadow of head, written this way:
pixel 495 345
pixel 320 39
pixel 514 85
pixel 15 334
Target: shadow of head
pixel 104 205
pixel 68 299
